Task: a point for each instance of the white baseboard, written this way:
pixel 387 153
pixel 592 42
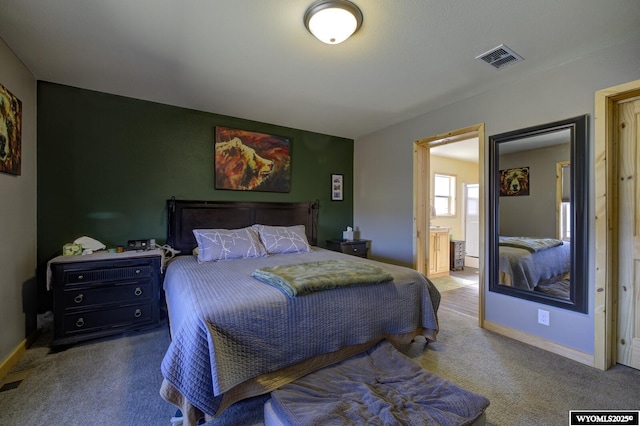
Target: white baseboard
pixel 12 359
pixel 472 262
pixel 538 342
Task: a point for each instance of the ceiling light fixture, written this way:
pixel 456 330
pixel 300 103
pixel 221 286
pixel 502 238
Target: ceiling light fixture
pixel 332 21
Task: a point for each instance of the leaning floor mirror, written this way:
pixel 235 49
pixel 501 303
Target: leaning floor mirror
pixel 538 213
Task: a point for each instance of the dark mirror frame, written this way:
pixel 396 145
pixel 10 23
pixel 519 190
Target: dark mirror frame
pixel 579 285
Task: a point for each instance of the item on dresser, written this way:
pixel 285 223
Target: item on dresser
pixel 70 249
pixel 103 294
pixel 350 234
pixel 89 245
pixel 358 248
pixel 138 245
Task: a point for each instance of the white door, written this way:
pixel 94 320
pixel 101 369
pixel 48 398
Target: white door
pixel 628 342
pixel 472 219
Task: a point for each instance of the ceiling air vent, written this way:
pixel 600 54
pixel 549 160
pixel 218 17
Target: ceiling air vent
pixel 500 57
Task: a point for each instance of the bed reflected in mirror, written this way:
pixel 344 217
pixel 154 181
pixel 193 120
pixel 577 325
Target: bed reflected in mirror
pixel 537 230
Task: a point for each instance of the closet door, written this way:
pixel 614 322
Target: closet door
pixel 628 341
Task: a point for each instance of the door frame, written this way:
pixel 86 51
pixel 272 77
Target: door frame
pixel 605 303
pixel 422 195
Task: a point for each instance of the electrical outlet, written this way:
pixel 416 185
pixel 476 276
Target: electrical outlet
pixel 543 317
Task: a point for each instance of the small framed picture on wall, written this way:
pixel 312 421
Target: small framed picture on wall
pixel 337 187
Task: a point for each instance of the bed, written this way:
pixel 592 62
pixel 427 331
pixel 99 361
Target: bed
pixel 234 336
pixel 536 264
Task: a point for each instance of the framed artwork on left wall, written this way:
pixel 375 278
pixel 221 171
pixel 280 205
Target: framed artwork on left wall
pixel 337 187
pixel 10 132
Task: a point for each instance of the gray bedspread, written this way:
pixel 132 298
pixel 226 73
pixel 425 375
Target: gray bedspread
pixel 532 245
pixel 378 387
pixel 525 270
pixel 228 327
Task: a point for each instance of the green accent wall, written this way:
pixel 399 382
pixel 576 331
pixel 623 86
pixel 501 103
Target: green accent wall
pixel 107 164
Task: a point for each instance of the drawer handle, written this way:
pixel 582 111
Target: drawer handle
pixel 80 322
pixel 81 277
pixel 137 271
pixel 138 291
pixel 78 298
pixel 355 249
pixel 138 313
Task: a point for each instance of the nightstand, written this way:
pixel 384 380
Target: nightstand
pixel 456 255
pixel 103 294
pixel 354 247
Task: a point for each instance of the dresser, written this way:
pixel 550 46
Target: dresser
pixel 104 294
pixel 354 247
pixel 456 255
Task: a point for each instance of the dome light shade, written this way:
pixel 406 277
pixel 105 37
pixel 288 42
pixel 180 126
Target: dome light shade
pixel 332 21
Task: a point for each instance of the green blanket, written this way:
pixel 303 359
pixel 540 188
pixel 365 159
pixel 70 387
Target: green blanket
pixel 531 244
pixel 301 278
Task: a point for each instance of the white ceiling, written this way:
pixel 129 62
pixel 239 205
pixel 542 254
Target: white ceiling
pixel 255 59
pixel 466 150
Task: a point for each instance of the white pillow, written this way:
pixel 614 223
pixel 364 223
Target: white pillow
pixel 283 239
pixel 219 244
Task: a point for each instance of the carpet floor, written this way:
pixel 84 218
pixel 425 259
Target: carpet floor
pixel 116 381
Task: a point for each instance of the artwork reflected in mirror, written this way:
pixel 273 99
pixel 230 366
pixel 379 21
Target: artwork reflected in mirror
pixel 538 222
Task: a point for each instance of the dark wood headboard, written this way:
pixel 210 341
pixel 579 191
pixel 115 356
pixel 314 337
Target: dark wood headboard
pixel 185 216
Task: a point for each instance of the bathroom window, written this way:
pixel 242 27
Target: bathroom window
pixel 444 195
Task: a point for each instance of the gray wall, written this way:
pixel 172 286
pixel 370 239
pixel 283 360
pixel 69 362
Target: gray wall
pixel 18 213
pixel 533 215
pixel 383 176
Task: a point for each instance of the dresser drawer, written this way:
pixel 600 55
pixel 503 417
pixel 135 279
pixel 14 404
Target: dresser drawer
pixel 356 249
pixel 85 276
pixel 91 321
pixel 78 298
